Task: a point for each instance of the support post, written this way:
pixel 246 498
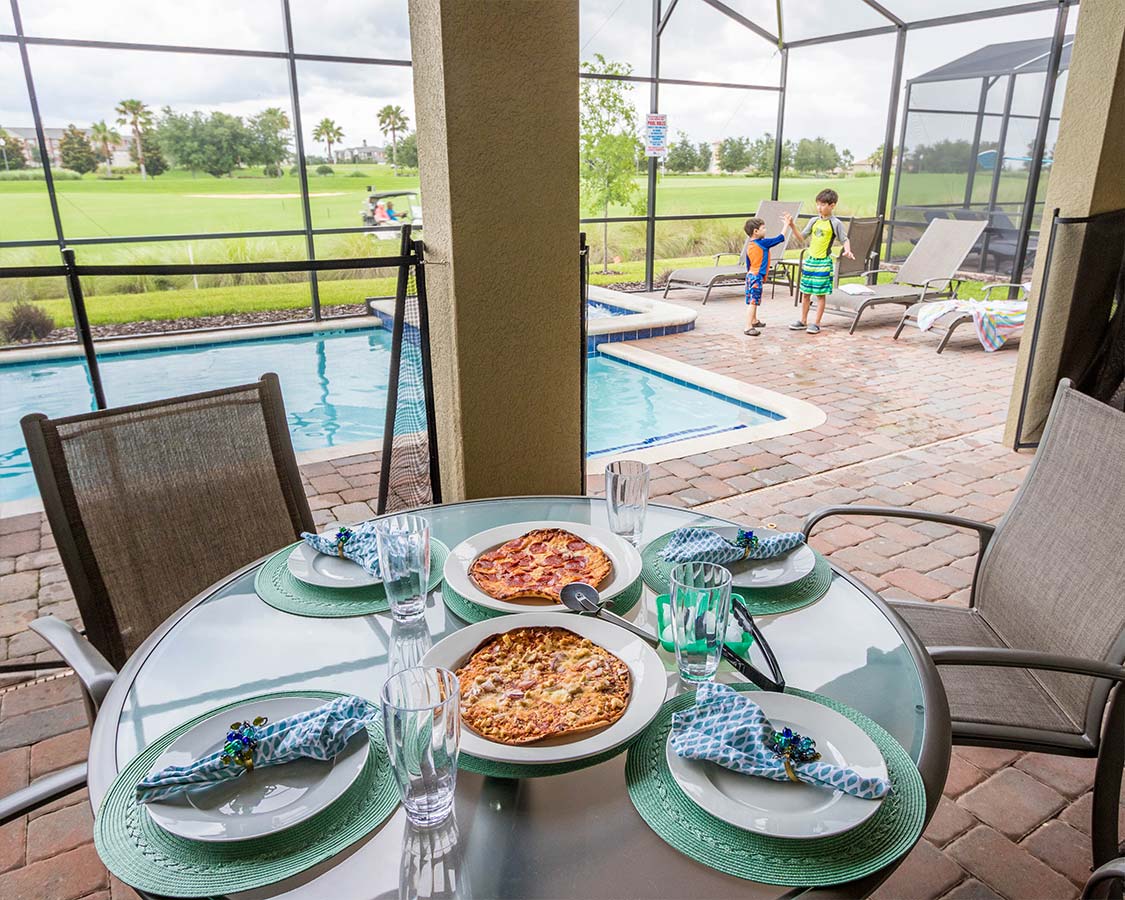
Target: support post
pixel 653 162
pixel 82 326
pixel 975 149
pixel 998 169
pixel 775 185
pixel 888 145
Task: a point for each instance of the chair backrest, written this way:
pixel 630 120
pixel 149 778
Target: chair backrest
pixel 150 504
pixel 1053 576
pixel 771 212
pixel 862 234
pixel 940 251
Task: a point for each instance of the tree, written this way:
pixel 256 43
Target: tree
pixel 682 156
pixel 877 157
pixel 137 116
pixel 328 131
pixel 155 163
pixel 393 119
pixel 846 159
pixel 607 141
pixel 11 152
pixel 214 143
pixel 75 151
pixel 703 156
pixel 269 139
pixel 816 155
pixel 106 138
pixel 734 154
pixel 760 154
pixel 408 151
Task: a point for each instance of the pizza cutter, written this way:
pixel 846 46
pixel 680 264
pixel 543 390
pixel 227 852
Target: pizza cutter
pixel 585 599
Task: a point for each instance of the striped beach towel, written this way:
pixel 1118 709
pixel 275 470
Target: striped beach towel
pixel 994 321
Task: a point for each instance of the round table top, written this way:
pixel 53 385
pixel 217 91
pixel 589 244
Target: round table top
pixel 562 836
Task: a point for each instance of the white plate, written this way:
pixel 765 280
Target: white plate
pixel 259 802
pixel 323 570
pixel 781 808
pixel 764 573
pixel 649 686
pixel 625 563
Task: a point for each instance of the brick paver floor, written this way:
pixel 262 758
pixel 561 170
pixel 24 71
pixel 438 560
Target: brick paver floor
pixel 905 427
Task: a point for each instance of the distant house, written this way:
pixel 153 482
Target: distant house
pixel 119 153
pixel 362 153
pixel 865 165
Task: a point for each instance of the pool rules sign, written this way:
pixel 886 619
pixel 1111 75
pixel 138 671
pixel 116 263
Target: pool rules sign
pixel 656 134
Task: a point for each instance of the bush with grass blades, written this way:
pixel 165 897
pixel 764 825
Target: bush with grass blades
pixel 58 174
pixel 24 321
pixel 324 170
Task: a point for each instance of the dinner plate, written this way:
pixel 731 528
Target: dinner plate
pixel 324 570
pixel 764 573
pixel 647 691
pixel 782 808
pixel 625 563
pixel 261 801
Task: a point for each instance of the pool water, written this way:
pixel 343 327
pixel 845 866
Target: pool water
pixel 335 389
pixel 596 310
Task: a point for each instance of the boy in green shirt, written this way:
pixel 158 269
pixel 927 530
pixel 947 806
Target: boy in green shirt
pixel 816 267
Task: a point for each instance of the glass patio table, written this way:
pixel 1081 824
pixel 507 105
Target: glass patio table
pixel 572 835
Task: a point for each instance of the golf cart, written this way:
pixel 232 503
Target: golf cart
pixel 405 203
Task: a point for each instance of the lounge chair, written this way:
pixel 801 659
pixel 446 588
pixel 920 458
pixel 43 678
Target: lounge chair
pixel 1036 660
pixel 946 324
pixel 705 279
pixel 863 234
pixel 928 271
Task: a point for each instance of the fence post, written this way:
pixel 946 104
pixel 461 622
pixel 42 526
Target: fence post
pixel 82 325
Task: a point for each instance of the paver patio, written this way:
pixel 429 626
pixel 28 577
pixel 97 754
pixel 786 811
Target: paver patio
pixel 905 427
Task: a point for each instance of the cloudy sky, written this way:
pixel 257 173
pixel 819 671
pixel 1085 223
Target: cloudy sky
pixel 837 90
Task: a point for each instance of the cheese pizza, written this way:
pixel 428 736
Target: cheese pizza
pixel 540 682
pixel 539 564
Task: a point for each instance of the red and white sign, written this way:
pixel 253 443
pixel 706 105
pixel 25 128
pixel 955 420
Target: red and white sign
pixel 656 134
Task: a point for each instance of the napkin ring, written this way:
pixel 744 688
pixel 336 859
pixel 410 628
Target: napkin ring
pixel 747 541
pixel 342 537
pixel 242 741
pixel 792 748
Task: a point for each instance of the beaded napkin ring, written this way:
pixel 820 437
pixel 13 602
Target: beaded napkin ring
pixel 792 747
pixel 748 541
pixel 242 741
pixel 344 535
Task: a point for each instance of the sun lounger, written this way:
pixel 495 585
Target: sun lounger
pixel 927 273
pixel 947 323
pixel 705 279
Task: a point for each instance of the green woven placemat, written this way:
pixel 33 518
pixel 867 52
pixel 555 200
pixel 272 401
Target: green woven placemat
pixel 514 770
pixel 140 853
pixel 471 611
pixel 277 587
pixel 879 841
pixel 761 601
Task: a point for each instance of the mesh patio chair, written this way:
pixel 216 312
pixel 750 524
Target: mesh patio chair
pixel 1109 876
pixel 150 505
pixel 710 277
pixel 946 324
pixel 1035 662
pixel 928 272
pixel 863 235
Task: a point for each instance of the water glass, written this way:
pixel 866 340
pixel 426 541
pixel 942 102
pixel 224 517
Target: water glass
pixel 422 724
pixel 626 495
pixel 404 562
pixel 700 606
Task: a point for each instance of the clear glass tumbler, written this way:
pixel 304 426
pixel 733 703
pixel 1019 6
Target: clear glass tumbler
pixel 422 724
pixel 700 606
pixel 404 562
pixel 626 496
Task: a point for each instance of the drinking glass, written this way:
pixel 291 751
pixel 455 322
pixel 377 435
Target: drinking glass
pixel 422 724
pixel 404 562
pixel 626 494
pixel 700 605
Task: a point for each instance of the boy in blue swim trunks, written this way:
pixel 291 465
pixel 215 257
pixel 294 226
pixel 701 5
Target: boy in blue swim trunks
pixel 756 258
pixel 816 267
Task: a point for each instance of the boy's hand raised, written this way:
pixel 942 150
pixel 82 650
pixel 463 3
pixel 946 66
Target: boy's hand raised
pixel 848 254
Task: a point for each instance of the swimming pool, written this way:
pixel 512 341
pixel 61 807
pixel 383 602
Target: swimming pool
pixel 335 389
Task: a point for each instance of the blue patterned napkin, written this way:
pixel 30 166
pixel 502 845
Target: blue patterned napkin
pixel 705 545
pixel 357 544
pixel 728 728
pixel 320 733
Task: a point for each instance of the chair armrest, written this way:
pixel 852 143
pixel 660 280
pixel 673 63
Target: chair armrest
pixel 92 669
pixel 1114 870
pixel 41 792
pixel 725 253
pixel 1022 290
pixel 1006 657
pixel 898 512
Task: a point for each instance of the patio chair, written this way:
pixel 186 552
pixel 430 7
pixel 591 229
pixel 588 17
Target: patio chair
pixel 150 505
pixel 927 273
pixel 1111 874
pixel 863 234
pixel 946 324
pixel 1035 662
pixel 706 279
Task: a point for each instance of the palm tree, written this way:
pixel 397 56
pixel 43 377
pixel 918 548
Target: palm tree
pixel 328 131
pixel 105 137
pixel 137 116
pixel 394 120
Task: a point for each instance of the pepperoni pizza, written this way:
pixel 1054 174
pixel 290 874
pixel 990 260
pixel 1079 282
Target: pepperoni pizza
pixel 538 564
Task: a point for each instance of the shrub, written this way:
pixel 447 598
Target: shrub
pixel 273 170
pixel 357 175
pixel 113 177
pixel 295 170
pixel 58 174
pixel 25 322
pixel 324 170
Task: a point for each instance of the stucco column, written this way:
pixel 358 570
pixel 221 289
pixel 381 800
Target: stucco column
pixel 1086 178
pixel 496 94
